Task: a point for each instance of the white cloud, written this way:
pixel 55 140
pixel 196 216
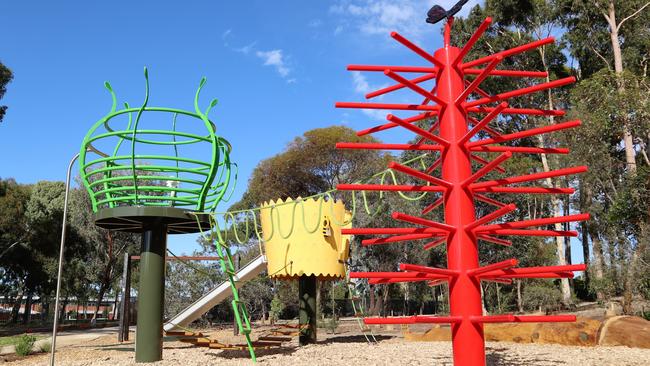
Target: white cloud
pixel 362 87
pixel 276 59
pixel 373 17
pixel 246 49
pixel 226 33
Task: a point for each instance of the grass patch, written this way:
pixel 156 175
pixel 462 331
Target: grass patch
pixel 12 340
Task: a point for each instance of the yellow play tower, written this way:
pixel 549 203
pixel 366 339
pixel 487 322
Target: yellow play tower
pixel 303 241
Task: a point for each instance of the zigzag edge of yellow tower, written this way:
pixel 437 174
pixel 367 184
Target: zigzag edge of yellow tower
pixel 303 237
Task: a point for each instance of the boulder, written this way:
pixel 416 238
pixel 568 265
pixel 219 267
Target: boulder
pixel 630 331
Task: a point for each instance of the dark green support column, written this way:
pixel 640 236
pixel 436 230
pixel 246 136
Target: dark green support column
pixel 307 313
pixel 151 293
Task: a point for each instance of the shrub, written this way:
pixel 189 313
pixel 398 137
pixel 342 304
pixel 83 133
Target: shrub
pixel 25 344
pixel 45 347
pixel 277 306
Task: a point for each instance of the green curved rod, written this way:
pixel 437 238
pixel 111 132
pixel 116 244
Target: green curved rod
pixel 151 179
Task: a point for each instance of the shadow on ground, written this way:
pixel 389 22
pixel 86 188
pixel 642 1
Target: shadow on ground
pixel 353 339
pixel 236 354
pixel 501 357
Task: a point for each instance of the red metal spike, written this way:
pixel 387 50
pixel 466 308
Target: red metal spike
pixel 416 88
pixel 422 53
pixel 378 146
pixel 403 107
pixel 390 125
pixel 478 80
pixel 510 73
pixel 483 123
pixel 527 133
pixel 499 168
pixel 520 149
pixel 415 69
pixel 388 188
pixel 396 238
pixel 491 216
pixel 432 206
pixel 395 87
pixel 434 243
pixel 418 174
pixel 472 40
pixel 510 52
pixel 530 177
pixel 522 91
pixel 495 240
pixel 534 222
pixel 426 134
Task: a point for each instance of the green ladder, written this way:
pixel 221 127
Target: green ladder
pixel 238 307
pixel 358 308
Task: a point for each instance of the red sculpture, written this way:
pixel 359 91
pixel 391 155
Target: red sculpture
pixel 452 101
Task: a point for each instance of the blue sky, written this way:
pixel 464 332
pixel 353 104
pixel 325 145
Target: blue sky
pixel 277 67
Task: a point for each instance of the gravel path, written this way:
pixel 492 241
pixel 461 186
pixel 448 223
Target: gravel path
pixel 346 350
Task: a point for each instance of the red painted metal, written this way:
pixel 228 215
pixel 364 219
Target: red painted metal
pixel 390 125
pixel 456 139
pixel 377 146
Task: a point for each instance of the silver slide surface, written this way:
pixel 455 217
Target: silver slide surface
pixel 216 295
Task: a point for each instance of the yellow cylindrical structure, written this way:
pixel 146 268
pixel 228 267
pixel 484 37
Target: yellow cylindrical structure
pixel 303 237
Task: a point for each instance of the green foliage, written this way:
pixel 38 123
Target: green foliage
pixel 45 347
pixel 541 296
pixel 277 307
pixel 5 78
pixel 25 344
pixel 310 164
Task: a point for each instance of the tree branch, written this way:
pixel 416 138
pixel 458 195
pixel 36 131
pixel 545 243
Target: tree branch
pixel 601 57
pixel 633 14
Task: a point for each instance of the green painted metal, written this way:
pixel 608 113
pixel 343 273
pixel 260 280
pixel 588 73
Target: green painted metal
pixel 117 174
pixel 307 317
pixel 228 267
pixel 151 293
pixel 357 307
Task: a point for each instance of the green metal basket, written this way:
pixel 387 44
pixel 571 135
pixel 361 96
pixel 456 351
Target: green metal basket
pixel 123 162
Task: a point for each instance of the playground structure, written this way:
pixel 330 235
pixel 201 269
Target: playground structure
pixel 139 187
pixel 146 180
pixel 459 141
pixel 302 241
pixel 312 250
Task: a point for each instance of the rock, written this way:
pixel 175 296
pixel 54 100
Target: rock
pixel 584 332
pixel 630 331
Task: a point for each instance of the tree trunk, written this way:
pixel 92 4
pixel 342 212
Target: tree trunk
pixel 556 203
pixel 100 298
pixel 585 233
pixel 520 303
pixel 28 307
pixel 15 311
pixel 628 140
pixel 61 312
pixel 631 273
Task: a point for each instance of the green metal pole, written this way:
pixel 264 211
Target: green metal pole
pixel 307 313
pixel 151 294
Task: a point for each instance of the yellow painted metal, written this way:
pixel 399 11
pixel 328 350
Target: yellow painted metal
pixel 304 238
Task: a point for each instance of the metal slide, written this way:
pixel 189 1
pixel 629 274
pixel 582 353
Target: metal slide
pixel 216 295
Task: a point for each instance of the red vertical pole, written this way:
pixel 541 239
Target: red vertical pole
pixel 462 248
